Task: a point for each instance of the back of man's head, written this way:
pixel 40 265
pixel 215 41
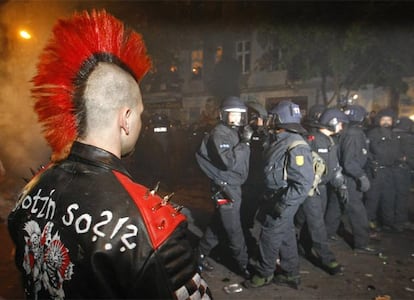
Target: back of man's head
pixel 108 88
pixel 76 51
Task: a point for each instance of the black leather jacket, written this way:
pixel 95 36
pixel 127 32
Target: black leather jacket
pixel 83 229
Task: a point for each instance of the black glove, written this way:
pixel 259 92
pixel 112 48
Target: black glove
pixel 247 133
pixel 364 184
pixel 338 178
pixel 343 194
pixel 278 209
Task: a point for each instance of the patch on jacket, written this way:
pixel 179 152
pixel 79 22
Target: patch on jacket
pixel 226 146
pixel 46 259
pixel 300 160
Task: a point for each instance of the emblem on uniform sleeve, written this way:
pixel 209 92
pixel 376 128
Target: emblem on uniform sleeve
pixel 46 260
pixel 300 160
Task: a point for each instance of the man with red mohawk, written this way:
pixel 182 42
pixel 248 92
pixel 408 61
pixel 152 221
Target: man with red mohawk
pixel 82 227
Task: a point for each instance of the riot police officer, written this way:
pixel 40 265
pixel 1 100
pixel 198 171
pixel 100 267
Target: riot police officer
pixel 288 177
pixel 158 147
pixel 312 117
pixel 224 157
pixel 313 208
pixel 253 188
pixel 402 172
pixel 384 155
pixel 352 157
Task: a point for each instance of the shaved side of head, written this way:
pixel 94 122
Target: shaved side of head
pixel 107 89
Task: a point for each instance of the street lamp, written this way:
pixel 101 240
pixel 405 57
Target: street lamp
pixel 24 34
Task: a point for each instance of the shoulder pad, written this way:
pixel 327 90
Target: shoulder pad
pixel 160 217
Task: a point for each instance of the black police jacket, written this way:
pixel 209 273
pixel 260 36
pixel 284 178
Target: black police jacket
pixel 407 148
pixel 353 151
pixel 384 147
pixel 83 229
pixel 296 164
pixel 257 143
pixel 327 149
pixel 223 157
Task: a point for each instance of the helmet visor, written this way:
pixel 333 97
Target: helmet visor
pixel 235 117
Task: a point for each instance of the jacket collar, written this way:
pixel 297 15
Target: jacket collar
pixel 96 156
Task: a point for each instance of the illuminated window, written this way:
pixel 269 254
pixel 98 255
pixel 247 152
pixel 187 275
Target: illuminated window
pixel 243 55
pixel 197 63
pixel 173 69
pixel 219 54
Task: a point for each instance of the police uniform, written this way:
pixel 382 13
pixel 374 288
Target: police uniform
pixel 278 233
pixel 225 160
pixel 402 172
pixel 253 188
pixel 314 206
pixel 384 155
pixel 353 157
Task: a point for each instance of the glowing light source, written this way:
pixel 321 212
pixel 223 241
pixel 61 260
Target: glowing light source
pixel 25 34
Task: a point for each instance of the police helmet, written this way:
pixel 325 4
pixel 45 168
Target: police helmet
pixel 331 117
pixel 315 112
pixel 344 101
pixel 356 113
pixel 233 112
pixel 404 124
pixel 287 115
pixel 255 110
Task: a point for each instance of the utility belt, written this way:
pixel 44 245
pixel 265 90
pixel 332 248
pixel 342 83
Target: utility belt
pixel 374 167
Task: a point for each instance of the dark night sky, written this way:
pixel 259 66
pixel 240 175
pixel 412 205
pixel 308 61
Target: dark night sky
pixel 241 13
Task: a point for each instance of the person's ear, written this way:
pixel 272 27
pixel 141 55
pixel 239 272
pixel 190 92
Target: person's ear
pixel 125 114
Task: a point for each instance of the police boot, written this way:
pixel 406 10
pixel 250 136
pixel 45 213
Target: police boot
pixel 258 281
pixel 292 281
pixel 373 226
pixel 333 268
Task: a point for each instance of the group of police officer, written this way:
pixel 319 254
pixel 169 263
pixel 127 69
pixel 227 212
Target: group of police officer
pixel 297 183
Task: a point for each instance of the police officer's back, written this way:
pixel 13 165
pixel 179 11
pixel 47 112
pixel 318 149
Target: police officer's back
pixel 288 177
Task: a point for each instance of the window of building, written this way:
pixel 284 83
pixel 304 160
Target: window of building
pixel 276 59
pixel 243 54
pixel 197 63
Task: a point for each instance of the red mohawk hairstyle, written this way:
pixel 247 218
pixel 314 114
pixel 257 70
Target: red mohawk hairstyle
pixel 76 47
